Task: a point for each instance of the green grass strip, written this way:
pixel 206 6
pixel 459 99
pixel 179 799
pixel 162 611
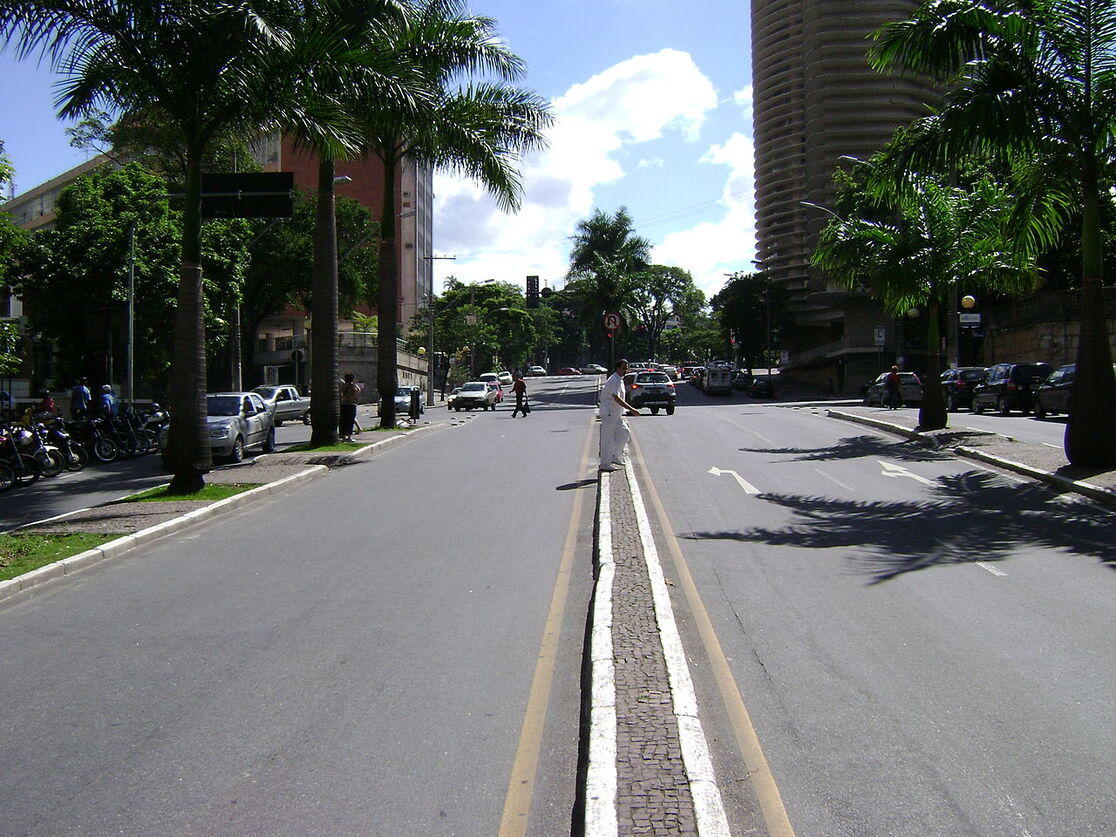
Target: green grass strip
pixel 20 554
pixel 212 491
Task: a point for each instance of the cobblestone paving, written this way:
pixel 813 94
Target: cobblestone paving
pixel 653 794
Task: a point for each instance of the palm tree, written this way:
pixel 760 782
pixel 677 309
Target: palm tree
pixel 605 261
pixel 911 240
pixel 357 29
pixel 209 70
pixel 1034 79
pixel 477 129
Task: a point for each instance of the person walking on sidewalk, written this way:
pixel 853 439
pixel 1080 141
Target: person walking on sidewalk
pixel 519 387
pixel 615 432
pixel 348 393
pixel 894 398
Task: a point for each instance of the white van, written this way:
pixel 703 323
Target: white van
pixel 717 379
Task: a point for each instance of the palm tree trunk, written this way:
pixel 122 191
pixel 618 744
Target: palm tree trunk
pixel 387 300
pixel 325 410
pixel 932 414
pixel 1089 440
pixel 188 453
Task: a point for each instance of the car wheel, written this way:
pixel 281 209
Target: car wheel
pixel 306 418
pixel 976 407
pixel 1040 411
pixel 269 442
pixel 279 422
pixel 670 409
pixel 952 406
pixel 654 411
pixel 237 454
pixel 1002 406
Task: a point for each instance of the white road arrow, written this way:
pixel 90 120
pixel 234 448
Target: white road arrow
pixel 892 470
pixel 747 486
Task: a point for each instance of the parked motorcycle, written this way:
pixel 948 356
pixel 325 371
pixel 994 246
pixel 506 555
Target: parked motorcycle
pixel 75 456
pixel 25 467
pixel 92 436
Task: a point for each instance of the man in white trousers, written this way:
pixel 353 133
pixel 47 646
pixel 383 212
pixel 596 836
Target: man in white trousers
pixel 614 430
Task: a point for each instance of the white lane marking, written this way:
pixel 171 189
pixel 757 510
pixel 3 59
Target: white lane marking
pixel 747 486
pixel 600 779
pixel 984 565
pixel 892 470
pixel 1056 447
pixel 709 809
pixel 834 479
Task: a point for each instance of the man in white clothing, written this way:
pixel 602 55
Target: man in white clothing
pixel 614 430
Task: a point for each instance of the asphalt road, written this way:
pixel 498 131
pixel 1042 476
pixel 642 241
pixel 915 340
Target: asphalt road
pixel 1049 431
pixel 394 649
pixel 922 645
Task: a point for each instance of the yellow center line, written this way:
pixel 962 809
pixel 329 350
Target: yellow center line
pixel 763 782
pixel 521 785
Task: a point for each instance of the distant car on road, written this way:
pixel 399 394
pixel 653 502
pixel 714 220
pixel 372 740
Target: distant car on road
pixel 1010 386
pixel 568 370
pixel 452 398
pixel 489 376
pixel 910 390
pixel 762 388
pixel 498 392
pixel 285 403
pixel 959 383
pixel 653 390
pixel 593 369
pixel 403 399
pixel 535 372
pixel 475 395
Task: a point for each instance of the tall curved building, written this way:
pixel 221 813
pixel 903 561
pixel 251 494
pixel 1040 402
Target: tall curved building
pixel 815 101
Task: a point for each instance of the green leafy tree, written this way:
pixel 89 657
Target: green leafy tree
pixel 489 319
pixel 280 272
pixel 208 70
pixel 7 171
pixel 753 312
pixel 73 277
pixel 663 294
pixel 475 128
pixel 909 240
pixel 1035 80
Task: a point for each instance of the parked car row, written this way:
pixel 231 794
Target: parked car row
pixel 1031 386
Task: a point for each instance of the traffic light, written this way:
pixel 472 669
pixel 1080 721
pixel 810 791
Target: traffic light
pixel 532 291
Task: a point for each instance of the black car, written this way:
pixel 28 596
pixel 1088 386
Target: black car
pixel 958 384
pixel 1053 396
pixel 1010 386
pixel 762 388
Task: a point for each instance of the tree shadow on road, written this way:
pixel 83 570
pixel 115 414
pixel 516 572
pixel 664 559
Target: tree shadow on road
pixel 855 447
pixel 975 516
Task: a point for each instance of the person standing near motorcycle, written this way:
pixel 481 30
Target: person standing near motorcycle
pixel 110 405
pixel 80 397
pixel 46 405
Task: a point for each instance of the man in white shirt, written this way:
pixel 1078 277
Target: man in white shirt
pixel 615 433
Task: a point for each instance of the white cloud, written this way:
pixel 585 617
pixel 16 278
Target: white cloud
pixel 636 101
pixel 714 248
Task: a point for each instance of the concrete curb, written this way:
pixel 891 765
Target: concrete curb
pixel 1094 492
pixel 20 586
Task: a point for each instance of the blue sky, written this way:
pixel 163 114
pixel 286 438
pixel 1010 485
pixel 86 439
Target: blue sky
pixel 653 102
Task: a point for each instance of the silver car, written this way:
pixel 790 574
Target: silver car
pixel 238 420
pixel 235 421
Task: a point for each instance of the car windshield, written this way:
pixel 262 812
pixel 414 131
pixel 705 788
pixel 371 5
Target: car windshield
pixel 652 378
pixel 405 391
pixel 222 405
pixel 266 392
pixel 474 386
pixel 973 375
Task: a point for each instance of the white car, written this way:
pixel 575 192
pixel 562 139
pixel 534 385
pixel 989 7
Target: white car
pixel 593 369
pixel 505 378
pixel 536 372
pixel 489 376
pixel 235 421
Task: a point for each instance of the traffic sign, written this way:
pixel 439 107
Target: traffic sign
pixel 612 321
